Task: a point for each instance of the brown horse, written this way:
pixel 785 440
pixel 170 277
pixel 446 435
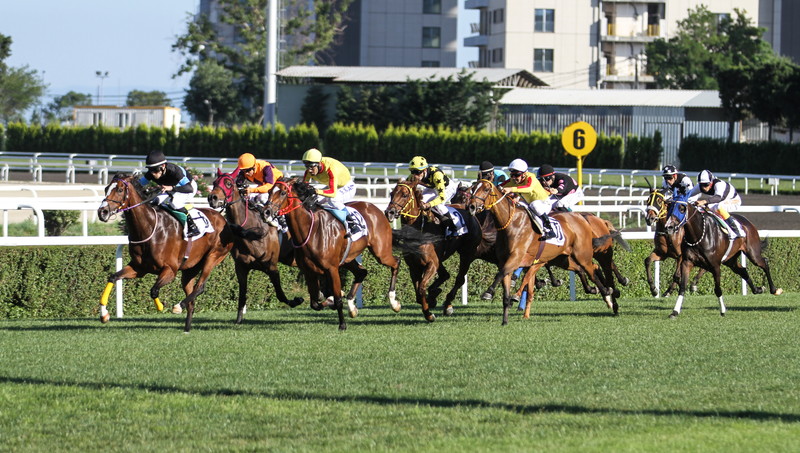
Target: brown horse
pixel 706 244
pixel 664 245
pixel 428 260
pixel 262 251
pixel 321 246
pixel 519 243
pixel 157 245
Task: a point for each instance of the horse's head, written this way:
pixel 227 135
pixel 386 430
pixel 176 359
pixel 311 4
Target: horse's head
pixel 403 201
pixel 121 193
pixel 282 198
pixel 482 190
pixel 677 214
pixel 462 195
pixel 224 191
pixel 656 207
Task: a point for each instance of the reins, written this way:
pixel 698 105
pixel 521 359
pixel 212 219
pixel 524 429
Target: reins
pixel 293 206
pixel 123 210
pixel 702 232
pixel 411 201
pixel 498 199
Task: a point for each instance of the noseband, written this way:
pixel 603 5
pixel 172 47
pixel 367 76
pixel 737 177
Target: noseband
pixel 405 210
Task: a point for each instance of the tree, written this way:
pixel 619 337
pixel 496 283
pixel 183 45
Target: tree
pixel 20 88
pixel 309 29
pixel 60 110
pixel 147 98
pixel 212 94
pixel 314 108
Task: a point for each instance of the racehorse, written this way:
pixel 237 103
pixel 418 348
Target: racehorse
pixel 664 245
pixel 603 250
pixel 520 244
pixel 321 246
pixel 264 248
pixel 405 201
pixel 157 245
pixel 706 244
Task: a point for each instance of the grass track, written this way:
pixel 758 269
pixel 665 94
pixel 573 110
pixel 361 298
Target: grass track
pixel 572 378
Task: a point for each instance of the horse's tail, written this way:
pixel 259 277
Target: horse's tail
pixel 250 234
pixel 409 239
pixel 616 236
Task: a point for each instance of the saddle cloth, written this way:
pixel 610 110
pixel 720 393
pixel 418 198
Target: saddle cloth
pixel 560 238
pixel 359 220
pixel 725 227
pixel 458 220
pixel 201 221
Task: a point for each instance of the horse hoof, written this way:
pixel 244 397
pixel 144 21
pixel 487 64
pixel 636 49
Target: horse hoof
pixel 430 317
pixel 616 309
pixel 295 302
pixel 448 311
pixel 353 313
pixel 342 326
pixel 722 313
pixel 486 296
pixel 558 283
pixel 653 292
pixel 593 291
pixel 316 306
pixel 105 318
pixel 515 299
pixel 176 309
pixel 778 292
pixel 693 288
pixel 673 315
pixel 624 281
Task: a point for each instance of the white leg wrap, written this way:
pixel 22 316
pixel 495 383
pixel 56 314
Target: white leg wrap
pixel 351 307
pixel 721 306
pixel 393 301
pixel 678 304
pixel 103 310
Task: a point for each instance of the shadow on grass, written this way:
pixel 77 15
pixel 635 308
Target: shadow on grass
pixel 415 402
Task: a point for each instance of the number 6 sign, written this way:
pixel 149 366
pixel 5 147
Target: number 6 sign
pixel 579 139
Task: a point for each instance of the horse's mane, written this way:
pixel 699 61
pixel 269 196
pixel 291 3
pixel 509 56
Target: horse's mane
pixel 133 180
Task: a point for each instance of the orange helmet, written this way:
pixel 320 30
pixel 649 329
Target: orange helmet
pixel 247 160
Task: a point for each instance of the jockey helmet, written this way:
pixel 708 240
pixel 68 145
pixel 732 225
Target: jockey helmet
pixel 518 165
pixel 669 170
pixel 418 163
pixel 545 170
pixel 246 161
pixel 312 155
pixel 155 158
pixel 486 166
pixel 705 177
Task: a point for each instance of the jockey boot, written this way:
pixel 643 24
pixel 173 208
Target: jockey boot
pixel 548 233
pixel 191 227
pixel 352 226
pixel 450 226
pixel 735 231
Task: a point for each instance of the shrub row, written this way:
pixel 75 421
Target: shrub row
pixel 719 155
pixel 67 281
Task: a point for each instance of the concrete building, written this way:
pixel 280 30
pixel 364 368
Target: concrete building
pixel 780 18
pixel 420 33
pixel 579 44
pixel 123 117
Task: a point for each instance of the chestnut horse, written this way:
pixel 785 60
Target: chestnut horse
pixel 404 203
pixel 706 244
pixel 157 245
pixel 519 243
pixel 321 246
pixel 257 245
pixel 665 246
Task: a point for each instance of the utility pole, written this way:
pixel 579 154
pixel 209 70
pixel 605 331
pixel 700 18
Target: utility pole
pixel 101 75
pixel 271 63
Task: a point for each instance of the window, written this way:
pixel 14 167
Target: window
pixel 431 6
pixel 431 37
pixel 497 55
pixel 542 60
pixel 545 20
pixel 497 16
pixel 97 118
pixel 123 119
pixel 430 63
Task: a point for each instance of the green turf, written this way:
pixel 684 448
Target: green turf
pixel 571 378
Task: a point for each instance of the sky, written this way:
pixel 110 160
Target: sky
pixel 68 41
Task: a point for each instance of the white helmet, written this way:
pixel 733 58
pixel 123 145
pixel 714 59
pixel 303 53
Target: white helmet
pixel 518 165
pixel 705 177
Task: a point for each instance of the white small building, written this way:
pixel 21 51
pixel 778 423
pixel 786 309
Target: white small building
pixel 123 117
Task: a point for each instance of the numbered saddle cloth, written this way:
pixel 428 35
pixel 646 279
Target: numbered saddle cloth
pixel 202 223
pixel 559 239
pixel 358 220
pixel 459 221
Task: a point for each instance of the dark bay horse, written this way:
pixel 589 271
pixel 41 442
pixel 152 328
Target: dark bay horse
pixel 665 245
pixel 157 245
pixel 707 245
pixel 321 247
pixel 257 245
pixel 404 203
pixel 519 243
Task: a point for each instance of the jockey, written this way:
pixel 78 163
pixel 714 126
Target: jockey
pixel 339 186
pixel 176 185
pixel 489 173
pixel 678 184
pixel 261 172
pixel 437 190
pixel 564 191
pixel 528 187
pixel 722 198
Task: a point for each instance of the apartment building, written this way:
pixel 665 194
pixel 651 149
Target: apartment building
pixel 580 44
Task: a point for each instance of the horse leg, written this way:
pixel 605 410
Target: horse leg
pixel 422 291
pixel 242 271
pixel 435 288
pixel 463 267
pixel 696 280
pixel 125 273
pixel 588 289
pixel 685 267
pixel 165 277
pixel 359 274
pixel 647 262
pixel 527 313
pixel 555 282
pixel 505 270
pixel 606 261
pixel 336 289
pixel 209 263
pixel 384 256
pixel 718 289
pixel 275 279
pixel 312 283
pixel 755 257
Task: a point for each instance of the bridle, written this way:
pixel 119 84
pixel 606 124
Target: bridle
pixel 227 185
pixel 687 217
pixel 409 206
pixel 491 192
pixel 121 207
pixel 293 203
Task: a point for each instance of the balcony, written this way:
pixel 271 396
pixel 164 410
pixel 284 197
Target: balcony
pixel 476 41
pixel 476 4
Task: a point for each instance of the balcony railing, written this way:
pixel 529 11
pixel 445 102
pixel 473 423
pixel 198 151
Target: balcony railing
pixel 654 30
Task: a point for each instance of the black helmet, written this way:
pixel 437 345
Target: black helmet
pixel 545 170
pixel 156 158
pixel 669 170
pixel 486 166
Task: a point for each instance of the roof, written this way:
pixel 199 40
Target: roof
pixel 386 74
pixel 637 98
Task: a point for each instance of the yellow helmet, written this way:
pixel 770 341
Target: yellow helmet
pixel 418 163
pixel 247 160
pixel 312 155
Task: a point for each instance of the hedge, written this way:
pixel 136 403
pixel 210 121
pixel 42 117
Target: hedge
pixel 721 156
pixel 68 281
